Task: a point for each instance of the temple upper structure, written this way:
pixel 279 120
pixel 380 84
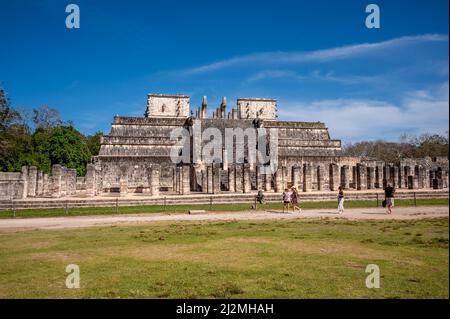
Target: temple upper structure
pixel 164 105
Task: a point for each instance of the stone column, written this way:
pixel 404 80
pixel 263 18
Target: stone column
pixel 395 177
pixel 174 179
pixel 46 186
pixel 354 183
pixel 445 179
pixel 401 178
pixel 239 178
pixel 386 171
pixel 268 182
pixel 335 174
pixel 216 178
pixel 154 180
pixel 71 181
pixel 98 179
pixel 209 179
pixel 32 180
pixel 361 178
pixel 64 181
pixel 407 173
pixel 185 179
pixel 420 174
pixel 259 178
pixel 415 182
pixel 40 183
pixel 378 176
pixel 24 178
pixel 179 179
pixel 296 176
pixel 427 178
pixel 278 183
pixel 307 177
pixel 225 159
pixel 231 179
pixel 56 180
pixel 345 177
pixel 320 178
pixel 246 182
pixel 90 180
pixel 371 177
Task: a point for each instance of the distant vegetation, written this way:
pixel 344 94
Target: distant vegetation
pixel 39 137
pixel 409 146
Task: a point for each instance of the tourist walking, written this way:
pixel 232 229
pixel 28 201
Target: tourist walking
pixel 389 198
pixel 340 200
pixel 286 199
pixel 260 197
pixel 294 200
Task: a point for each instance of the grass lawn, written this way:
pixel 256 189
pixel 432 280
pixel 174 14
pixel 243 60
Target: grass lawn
pixel 259 259
pixel 50 212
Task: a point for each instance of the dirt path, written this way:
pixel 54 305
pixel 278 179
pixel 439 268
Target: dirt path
pixel 92 221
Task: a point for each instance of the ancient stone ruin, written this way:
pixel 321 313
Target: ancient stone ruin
pixel 135 158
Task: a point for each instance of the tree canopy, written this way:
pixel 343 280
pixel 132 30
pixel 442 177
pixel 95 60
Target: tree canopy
pixel 49 141
pixel 409 146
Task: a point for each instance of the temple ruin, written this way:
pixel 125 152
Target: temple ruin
pixel 135 158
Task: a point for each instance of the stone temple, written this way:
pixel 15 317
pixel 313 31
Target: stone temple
pixel 135 158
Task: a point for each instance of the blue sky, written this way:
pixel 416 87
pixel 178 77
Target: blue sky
pixel 316 58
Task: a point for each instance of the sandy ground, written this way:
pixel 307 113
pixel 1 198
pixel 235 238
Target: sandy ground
pixel 97 221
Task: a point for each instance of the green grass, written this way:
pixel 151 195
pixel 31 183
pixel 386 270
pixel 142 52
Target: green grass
pixel 320 258
pixel 51 212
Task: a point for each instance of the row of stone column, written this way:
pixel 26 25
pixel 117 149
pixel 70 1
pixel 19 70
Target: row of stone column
pixel 62 182
pixel 93 182
pixel 309 176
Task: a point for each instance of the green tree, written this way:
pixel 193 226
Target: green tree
pixel 62 145
pixel 16 147
pixel 93 142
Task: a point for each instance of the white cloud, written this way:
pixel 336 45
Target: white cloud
pixel 337 53
pixel 315 75
pixel 351 119
pixel 274 74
